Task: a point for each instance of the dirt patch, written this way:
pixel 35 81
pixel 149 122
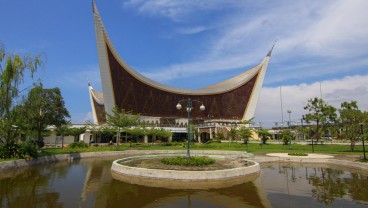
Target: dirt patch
pixel 353 158
pixel 220 164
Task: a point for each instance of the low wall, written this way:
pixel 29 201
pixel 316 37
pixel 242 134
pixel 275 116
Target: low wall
pixel 117 167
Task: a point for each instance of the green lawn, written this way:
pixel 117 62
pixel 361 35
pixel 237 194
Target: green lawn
pixel 257 148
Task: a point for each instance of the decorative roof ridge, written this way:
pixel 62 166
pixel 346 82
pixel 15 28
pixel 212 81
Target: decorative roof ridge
pixel 270 52
pixel 97 96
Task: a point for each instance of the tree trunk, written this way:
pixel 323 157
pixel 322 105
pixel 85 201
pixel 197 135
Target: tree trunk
pixel 62 142
pixel 352 144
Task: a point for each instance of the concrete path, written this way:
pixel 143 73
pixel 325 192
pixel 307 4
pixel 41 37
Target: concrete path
pixel 310 155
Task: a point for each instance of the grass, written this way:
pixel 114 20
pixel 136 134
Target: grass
pixel 363 160
pixel 8 159
pixel 258 148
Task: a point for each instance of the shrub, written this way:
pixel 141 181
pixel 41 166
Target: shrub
pixel 9 150
pixel 79 144
pixel 28 149
pixel 298 154
pixel 184 161
pixel 167 144
pixel 176 143
pixel 213 141
pixel 40 143
pixel 3 153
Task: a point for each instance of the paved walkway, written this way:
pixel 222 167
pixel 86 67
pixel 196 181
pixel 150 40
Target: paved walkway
pixel 310 156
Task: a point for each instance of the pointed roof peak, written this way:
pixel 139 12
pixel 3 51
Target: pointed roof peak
pixel 270 52
pixel 94 7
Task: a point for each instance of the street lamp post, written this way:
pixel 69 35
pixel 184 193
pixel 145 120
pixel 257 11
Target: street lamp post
pixel 301 120
pixel 189 104
pixel 289 112
pixel 361 131
pixel 276 131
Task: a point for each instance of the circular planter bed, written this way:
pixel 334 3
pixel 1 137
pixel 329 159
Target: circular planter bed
pixel 149 170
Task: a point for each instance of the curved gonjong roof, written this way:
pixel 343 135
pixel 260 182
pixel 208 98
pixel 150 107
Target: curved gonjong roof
pixel 97 104
pixel 107 50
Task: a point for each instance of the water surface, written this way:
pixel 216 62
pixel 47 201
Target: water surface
pixel 88 183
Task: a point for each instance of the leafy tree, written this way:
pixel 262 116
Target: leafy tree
pixel 350 118
pixel 264 134
pixel 41 108
pixel 13 69
pixel 162 133
pixel 232 133
pixel 159 133
pixel 108 131
pixel 220 136
pixel 245 134
pixel 63 130
pixel 247 122
pixel 137 131
pixel 321 114
pixel 286 136
pixel 122 120
pixel 75 132
pixel 153 132
pixel 301 131
pixel 94 129
pixel 194 130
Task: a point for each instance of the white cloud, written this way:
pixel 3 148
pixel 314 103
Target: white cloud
pixel 186 70
pixel 176 10
pixel 88 117
pixel 81 117
pixel 191 30
pixel 324 37
pixel 79 77
pixel 294 97
pixel 341 29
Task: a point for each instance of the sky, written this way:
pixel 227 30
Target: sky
pixel 321 47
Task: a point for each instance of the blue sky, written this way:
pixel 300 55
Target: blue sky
pixel 321 46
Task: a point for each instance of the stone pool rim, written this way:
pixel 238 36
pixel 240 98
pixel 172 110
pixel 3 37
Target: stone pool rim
pixel 184 175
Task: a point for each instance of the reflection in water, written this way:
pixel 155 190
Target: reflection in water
pixel 290 186
pixel 118 194
pixel 88 183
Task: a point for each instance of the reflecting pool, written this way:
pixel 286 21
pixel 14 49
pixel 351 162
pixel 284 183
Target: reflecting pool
pixel 88 183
